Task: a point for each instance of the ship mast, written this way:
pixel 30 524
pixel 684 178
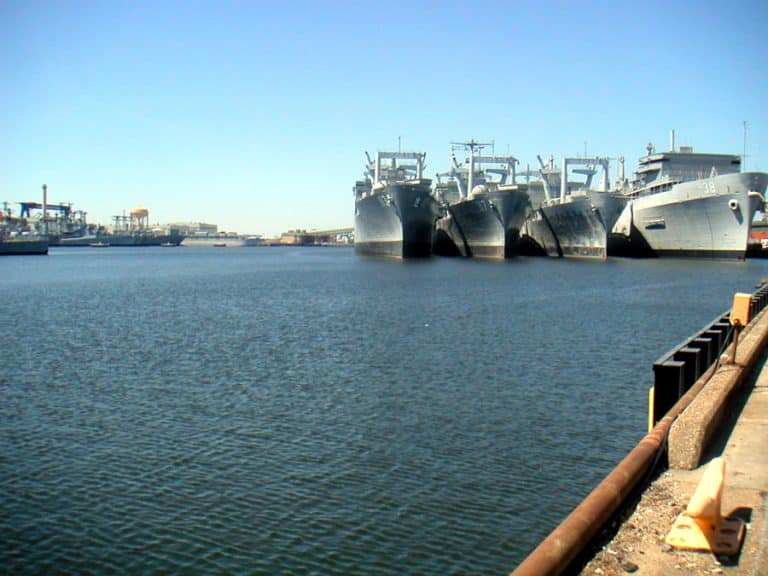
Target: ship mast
pixel 45 209
pixel 471 146
pixel 744 149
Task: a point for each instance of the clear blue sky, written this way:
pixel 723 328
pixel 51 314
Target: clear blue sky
pixel 255 115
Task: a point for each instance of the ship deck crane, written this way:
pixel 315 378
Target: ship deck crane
pixel 27 207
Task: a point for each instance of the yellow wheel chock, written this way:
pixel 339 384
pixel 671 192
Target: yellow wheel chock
pixel 701 526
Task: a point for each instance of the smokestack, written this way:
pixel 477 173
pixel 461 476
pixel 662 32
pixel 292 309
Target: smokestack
pixel 672 140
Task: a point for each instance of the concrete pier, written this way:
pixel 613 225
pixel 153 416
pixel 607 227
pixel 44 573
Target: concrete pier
pixel 638 547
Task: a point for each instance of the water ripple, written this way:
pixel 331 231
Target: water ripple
pixel 307 412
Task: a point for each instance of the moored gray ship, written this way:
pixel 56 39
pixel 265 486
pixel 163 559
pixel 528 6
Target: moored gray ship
pixel 484 206
pixel 576 219
pixel 17 237
pixel 395 209
pixel 22 244
pixel 685 203
pixel 121 239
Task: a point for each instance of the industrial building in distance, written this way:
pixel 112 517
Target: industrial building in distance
pixel 206 234
pixel 38 225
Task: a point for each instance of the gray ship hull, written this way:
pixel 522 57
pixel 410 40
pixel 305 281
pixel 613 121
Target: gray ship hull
pixel 578 228
pixel 512 206
pixel 134 239
pixel 23 245
pixel 485 226
pixel 397 221
pixel 538 238
pixel 221 241
pixel 449 238
pixel 582 223
pixel 708 218
pixel 475 227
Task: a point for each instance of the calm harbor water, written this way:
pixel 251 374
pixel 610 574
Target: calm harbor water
pixel 305 411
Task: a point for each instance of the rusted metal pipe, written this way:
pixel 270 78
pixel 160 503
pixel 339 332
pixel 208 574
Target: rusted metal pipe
pixel 562 546
pixel 555 554
pixel 558 551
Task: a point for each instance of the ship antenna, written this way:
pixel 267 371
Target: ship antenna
pixel 744 150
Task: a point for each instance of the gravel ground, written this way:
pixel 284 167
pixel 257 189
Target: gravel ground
pixel 639 547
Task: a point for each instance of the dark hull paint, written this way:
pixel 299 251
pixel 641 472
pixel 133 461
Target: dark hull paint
pixel 703 254
pixel 139 239
pixel 512 206
pixel 486 226
pixel 476 228
pixel 538 238
pixel 393 249
pixel 23 247
pixel 582 224
pixel 579 230
pixel 396 221
pixel 449 238
pixel 631 244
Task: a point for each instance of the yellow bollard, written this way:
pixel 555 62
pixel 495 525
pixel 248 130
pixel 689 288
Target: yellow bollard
pixel 740 309
pixel 739 319
pixel 701 526
pixel 651 414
